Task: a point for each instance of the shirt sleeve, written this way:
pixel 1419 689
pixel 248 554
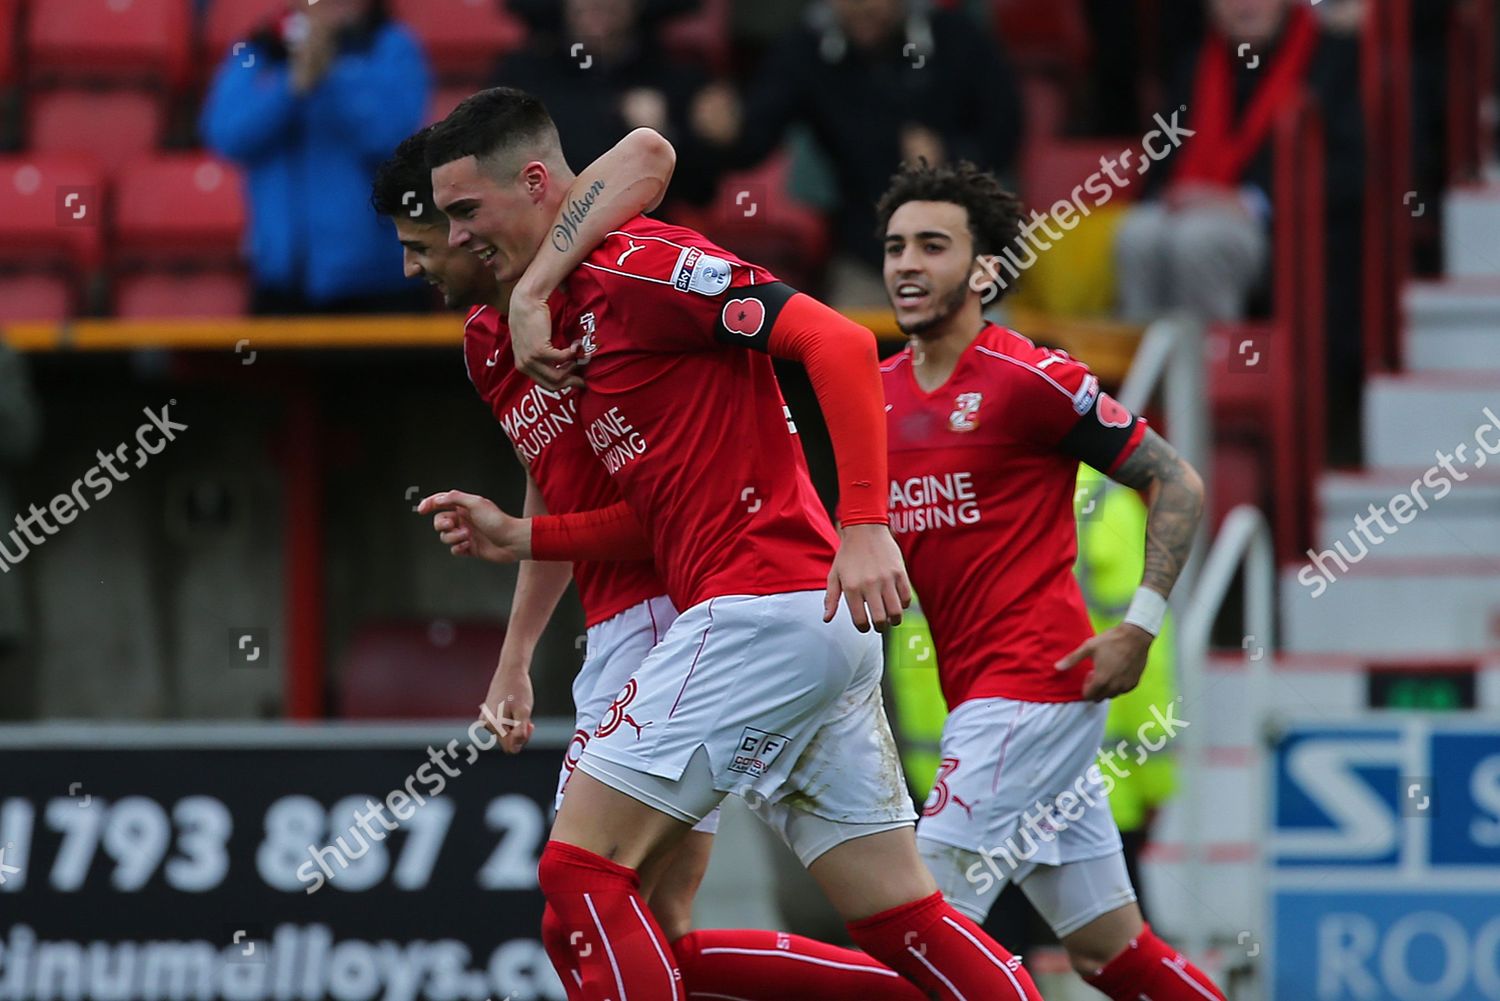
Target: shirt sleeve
pixel 1061 406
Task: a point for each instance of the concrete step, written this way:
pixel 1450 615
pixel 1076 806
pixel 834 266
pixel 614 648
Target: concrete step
pixel 1409 419
pixel 1437 607
pixel 1471 230
pixel 1464 523
pixel 1453 325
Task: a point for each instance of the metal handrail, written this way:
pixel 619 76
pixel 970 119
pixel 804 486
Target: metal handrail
pixel 1244 540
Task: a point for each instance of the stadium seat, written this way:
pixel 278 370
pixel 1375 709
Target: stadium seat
pixel 464 39
pixel 109 40
pixel 754 214
pixel 1051 169
pixel 166 294
pixel 35 297
pixel 701 37
pixel 418 669
pixel 10 13
pixel 1049 36
pixel 113 126
pixel 182 207
pixel 51 210
pixel 445 99
pixel 229 21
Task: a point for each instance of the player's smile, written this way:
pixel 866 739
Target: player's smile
pixel 910 294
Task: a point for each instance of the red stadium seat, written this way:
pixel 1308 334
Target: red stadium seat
pixel 1050 36
pixel 702 36
pixel 418 670
pixel 112 126
pixel 110 40
pixel 229 21
pixel 10 13
pixel 35 297
pixel 51 211
pixel 464 39
pixel 179 207
pixel 754 214
pixel 445 99
pixel 162 294
pixel 1051 169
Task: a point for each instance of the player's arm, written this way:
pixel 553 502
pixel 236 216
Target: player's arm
pixel 475 526
pixel 844 368
pixel 1174 497
pixel 539 587
pixel 629 179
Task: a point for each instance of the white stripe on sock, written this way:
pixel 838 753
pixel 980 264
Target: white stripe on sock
pixel 1020 991
pixel 937 973
pixel 1187 979
pixel 620 983
pixel 655 944
pixel 855 967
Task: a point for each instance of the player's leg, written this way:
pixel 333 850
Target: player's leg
pixel 671 881
pixel 1108 942
pixel 845 812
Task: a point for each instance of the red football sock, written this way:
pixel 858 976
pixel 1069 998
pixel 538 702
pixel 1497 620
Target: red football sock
pixel 944 953
pixel 604 928
pixel 1151 967
pixel 774 966
pixel 554 940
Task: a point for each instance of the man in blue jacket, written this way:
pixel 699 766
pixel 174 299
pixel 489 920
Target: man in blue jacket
pixel 308 107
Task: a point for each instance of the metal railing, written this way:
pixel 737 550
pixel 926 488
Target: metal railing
pixel 1244 540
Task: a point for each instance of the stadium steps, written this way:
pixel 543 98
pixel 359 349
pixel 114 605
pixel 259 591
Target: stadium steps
pixel 1453 326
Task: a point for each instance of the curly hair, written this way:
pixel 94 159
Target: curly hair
pixel 404 184
pixel 995 215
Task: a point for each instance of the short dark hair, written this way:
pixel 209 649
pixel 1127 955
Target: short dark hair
pixel 403 183
pixel 489 124
pixel 994 213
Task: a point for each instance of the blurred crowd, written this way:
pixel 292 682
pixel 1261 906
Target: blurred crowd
pixel 842 91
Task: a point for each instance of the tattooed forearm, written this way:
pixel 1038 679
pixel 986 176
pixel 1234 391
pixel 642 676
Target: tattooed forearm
pixel 1174 494
pixel 570 220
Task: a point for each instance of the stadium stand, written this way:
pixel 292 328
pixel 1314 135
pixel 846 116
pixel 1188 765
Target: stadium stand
pixel 110 40
pixel 110 125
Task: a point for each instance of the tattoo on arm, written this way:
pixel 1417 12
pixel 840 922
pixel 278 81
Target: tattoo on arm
pixel 1175 498
pixel 573 214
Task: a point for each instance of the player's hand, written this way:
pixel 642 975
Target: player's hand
pixel 530 321
pixel 1119 658
pixel 507 706
pixel 870 574
pixel 473 526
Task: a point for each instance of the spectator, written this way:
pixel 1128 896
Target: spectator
pixel 1204 244
pixel 605 74
pixel 309 109
pixel 878 82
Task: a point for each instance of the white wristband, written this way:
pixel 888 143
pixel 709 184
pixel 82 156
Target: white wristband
pixel 1147 609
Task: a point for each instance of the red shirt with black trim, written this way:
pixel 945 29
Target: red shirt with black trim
pixel 544 428
pixel 690 424
pixel 983 472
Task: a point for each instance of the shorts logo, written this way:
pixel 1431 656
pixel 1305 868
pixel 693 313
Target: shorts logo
pixel 965 416
pixel 616 713
pixel 744 316
pixel 575 750
pixel 1111 413
pixel 941 795
pixel 756 752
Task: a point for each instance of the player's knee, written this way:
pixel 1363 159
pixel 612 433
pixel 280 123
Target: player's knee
pixel 1088 959
pixel 673 912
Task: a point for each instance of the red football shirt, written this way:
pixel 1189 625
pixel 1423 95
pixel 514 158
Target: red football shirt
pixel 543 426
pixel 688 421
pixel 983 471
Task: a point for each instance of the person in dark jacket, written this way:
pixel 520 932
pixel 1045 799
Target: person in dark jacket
pixel 878 82
pixel 308 108
pixel 602 73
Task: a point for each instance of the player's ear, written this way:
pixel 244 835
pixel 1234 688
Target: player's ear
pixel 535 178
